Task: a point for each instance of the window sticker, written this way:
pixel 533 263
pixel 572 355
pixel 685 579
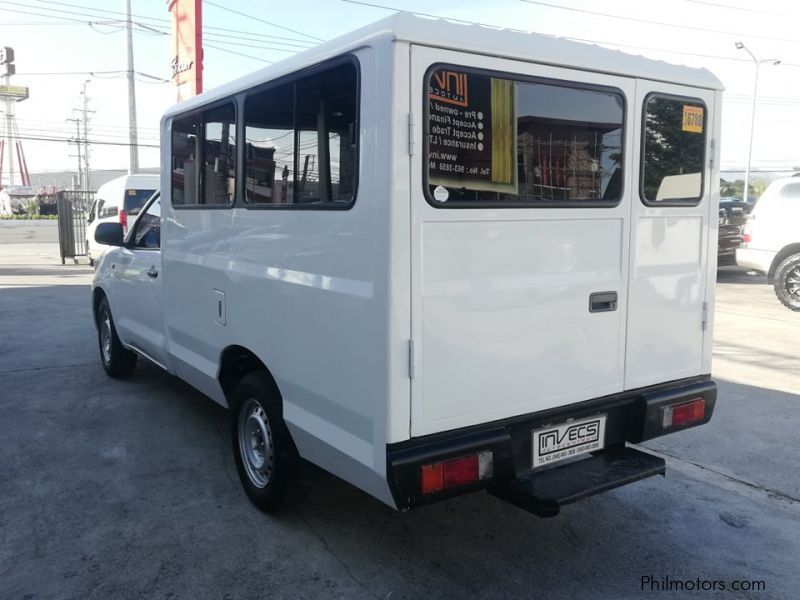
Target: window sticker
pixel 472 131
pixel 441 194
pixel 692 119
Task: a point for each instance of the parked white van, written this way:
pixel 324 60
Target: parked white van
pixel 771 240
pixel 117 201
pixel 432 259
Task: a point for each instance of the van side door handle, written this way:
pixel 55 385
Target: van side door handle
pixel 602 301
pixel 152 272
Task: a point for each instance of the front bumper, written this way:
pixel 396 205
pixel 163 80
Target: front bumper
pixel 633 416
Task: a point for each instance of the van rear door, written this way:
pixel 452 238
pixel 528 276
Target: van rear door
pixel 671 221
pixel 520 214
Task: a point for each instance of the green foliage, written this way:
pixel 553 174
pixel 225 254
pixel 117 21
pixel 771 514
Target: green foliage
pixel 25 217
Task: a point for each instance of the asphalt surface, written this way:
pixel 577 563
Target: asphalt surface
pixel 127 489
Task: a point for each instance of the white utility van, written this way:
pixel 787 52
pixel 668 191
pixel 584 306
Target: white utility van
pixel 433 258
pixel 117 201
pixel 771 240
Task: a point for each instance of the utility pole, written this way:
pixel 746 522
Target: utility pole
pixel 86 178
pixel 78 145
pixel 133 162
pixel 758 63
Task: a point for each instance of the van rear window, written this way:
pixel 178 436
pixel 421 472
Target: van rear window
pixel 673 153
pixel 135 199
pixel 511 141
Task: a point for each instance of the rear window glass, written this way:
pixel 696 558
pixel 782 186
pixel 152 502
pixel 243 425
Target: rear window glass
pixel 135 199
pixel 673 151
pixel 502 141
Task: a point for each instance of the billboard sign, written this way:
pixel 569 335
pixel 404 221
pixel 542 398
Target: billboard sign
pixel 14 92
pixel 186 61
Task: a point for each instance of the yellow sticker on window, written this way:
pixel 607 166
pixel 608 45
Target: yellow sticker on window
pixel 692 119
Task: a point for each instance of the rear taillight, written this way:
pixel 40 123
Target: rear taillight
pixel 123 219
pixel 685 413
pixel 456 472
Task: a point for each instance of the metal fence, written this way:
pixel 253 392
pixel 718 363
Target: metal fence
pixel 73 207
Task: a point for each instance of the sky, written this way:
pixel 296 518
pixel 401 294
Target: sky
pixel 62 44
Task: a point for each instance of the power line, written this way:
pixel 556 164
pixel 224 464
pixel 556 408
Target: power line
pixel 577 39
pixel 260 20
pixel 662 23
pixel 207 45
pixel 742 8
pixel 68 140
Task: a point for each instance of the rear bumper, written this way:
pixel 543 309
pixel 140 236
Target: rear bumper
pixel 632 416
pixel 757 260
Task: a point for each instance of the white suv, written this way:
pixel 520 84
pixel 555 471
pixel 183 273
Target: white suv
pixel 771 240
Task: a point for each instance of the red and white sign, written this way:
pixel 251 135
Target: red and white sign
pixel 186 62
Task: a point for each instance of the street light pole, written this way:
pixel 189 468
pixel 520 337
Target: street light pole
pixel 758 63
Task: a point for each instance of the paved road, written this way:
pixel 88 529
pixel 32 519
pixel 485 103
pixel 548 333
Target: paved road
pixel 128 489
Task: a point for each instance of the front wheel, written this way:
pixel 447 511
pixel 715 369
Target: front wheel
pixel 265 455
pixel 117 360
pixel 787 282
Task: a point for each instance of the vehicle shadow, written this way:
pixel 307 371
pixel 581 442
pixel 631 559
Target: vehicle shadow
pixel 739 275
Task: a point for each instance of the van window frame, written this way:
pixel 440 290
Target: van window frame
pixel 199 114
pixel 294 78
pixel 517 77
pixel 675 201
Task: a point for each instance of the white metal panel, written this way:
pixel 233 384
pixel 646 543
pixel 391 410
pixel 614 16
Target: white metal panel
pixel 306 292
pixel 500 297
pixel 669 272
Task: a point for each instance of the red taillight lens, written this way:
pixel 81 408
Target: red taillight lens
pixel 746 239
pixel 682 414
pixel 439 476
pixel 123 219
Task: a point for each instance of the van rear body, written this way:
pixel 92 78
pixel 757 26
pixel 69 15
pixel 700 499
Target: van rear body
pixel 457 253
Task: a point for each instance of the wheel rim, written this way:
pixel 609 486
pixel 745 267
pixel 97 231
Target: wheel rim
pixel 793 283
pixel 105 337
pixel 255 443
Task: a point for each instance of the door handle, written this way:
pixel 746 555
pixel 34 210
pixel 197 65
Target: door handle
pixel 602 301
pixel 152 272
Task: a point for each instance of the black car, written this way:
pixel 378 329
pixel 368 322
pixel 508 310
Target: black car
pixel 732 217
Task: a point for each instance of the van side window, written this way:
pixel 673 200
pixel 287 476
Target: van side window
pixel 301 141
pixel 520 142
pixel 673 151
pixel 204 157
pixel 184 160
pixel 148 228
pixel 269 146
pixel 218 177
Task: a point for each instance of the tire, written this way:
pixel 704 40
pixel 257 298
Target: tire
pixel 787 282
pixel 117 360
pixel 265 455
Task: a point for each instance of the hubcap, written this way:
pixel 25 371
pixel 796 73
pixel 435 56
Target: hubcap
pixel 793 282
pixel 105 337
pixel 255 443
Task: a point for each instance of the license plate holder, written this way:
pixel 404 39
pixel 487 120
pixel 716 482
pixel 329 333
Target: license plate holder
pixel 556 443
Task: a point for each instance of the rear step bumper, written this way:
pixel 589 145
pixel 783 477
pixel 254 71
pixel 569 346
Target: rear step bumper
pixel 543 493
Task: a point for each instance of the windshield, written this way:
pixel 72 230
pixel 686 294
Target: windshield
pixel 135 199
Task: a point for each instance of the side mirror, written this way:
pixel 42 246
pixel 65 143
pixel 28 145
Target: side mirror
pixel 109 234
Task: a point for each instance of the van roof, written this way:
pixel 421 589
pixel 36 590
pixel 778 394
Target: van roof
pixel 136 181
pixel 506 43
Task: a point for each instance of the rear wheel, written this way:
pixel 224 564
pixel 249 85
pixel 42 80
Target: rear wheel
pixel 117 360
pixel 787 282
pixel 265 455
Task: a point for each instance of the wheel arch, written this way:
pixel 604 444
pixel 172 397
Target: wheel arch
pixel 785 252
pixel 236 362
pixel 98 294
